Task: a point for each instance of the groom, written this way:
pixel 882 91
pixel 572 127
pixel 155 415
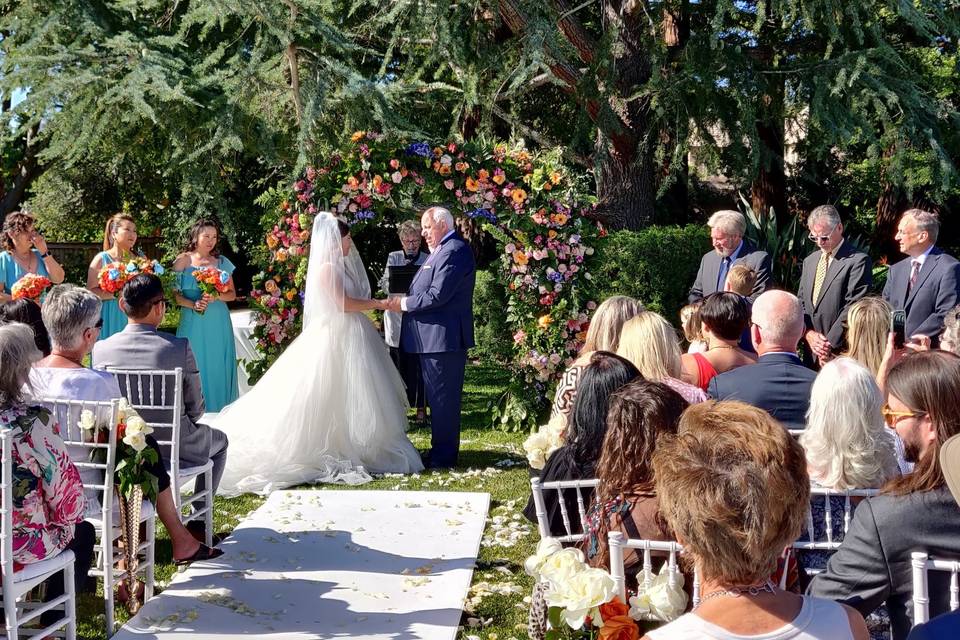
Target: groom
pixel 438 324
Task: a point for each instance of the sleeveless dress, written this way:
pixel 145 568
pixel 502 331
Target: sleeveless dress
pixel 705 370
pixel 330 409
pixel 11 271
pixel 211 339
pixel 114 320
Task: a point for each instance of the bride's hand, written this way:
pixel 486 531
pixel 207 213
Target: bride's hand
pixel 379 304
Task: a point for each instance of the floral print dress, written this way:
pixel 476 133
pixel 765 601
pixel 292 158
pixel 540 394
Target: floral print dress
pixel 48 496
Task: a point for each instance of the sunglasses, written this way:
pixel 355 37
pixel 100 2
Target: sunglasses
pixel 892 417
pixel 814 238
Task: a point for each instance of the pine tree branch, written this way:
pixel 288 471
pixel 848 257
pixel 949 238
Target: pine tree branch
pixel 27 171
pixel 541 139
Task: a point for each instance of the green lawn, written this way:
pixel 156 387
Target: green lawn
pixel 490 461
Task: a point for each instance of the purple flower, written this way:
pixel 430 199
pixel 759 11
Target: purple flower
pixel 421 149
pixel 555 276
pixel 483 213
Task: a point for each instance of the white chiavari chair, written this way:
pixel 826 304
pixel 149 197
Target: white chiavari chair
pixel 922 564
pixel 16 585
pixel 540 493
pixel 618 542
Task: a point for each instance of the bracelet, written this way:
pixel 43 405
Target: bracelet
pixel 44 255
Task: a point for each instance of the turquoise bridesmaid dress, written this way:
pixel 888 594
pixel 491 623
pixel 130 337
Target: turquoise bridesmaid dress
pixel 211 338
pixel 11 271
pixel 114 320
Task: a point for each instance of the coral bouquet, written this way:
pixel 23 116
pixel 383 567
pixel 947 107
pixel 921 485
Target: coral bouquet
pixel 31 286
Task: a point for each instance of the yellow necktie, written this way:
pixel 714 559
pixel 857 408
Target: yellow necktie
pixel 821 275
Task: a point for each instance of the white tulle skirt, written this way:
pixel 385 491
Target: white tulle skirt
pixel 332 408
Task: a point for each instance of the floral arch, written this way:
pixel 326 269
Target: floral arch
pixel 529 202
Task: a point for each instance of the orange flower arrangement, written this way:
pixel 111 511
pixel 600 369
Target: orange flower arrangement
pixel 31 286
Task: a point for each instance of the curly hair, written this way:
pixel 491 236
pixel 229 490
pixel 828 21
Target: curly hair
pixel 16 222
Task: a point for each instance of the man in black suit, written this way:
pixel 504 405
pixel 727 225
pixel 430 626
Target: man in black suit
pixel 925 285
pixel 778 383
pixel 730 248
pixel 834 277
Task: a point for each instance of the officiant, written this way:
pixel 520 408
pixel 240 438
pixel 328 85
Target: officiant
pixel 407 363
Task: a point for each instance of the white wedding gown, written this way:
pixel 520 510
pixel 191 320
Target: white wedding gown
pixel 332 408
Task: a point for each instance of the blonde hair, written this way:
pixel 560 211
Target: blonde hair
pixel 603 334
pixel 868 324
pixel 847 443
pixel 113 223
pixel 649 342
pixel 733 486
pixel 690 322
pixel 740 279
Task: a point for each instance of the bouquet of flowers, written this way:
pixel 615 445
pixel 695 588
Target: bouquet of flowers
pixel 31 286
pixel 545 441
pixel 212 281
pixel 114 275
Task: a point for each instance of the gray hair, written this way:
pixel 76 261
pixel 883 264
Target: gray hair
pixel 18 352
pixel 728 221
pixel 441 214
pixel 950 340
pixel 779 315
pixel 408 228
pixel 925 221
pixel 67 312
pixel 847 444
pixel 825 212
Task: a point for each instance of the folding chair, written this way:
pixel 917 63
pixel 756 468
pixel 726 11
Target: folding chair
pixel 923 563
pixel 539 490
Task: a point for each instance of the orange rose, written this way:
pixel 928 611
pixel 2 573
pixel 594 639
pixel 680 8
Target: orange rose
pixel 352 182
pixel 619 628
pixel 520 257
pixel 613 608
pixel 377 181
pixel 444 170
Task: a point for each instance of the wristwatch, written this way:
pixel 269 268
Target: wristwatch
pixel 45 254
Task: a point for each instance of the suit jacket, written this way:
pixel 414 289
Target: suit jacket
pixel 872 565
pixel 934 293
pixel 141 346
pixel 391 319
pixel 943 627
pixel 848 279
pixel 706 282
pixel 439 305
pixel 777 383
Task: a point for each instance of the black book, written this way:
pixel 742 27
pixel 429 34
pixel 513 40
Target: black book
pixel 400 277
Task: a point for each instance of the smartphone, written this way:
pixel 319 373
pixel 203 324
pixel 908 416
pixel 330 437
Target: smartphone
pixel 898 321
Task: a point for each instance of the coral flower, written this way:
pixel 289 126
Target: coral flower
pixel 357 136
pixel 498 177
pixel 352 183
pixel 518 195
pixel 555 177
pixel 520 257
pixel 483 174
pixel 472 185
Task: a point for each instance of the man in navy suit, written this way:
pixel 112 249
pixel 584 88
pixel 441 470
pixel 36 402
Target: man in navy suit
pixel 438 324
pixel 925 285
pixel 778 382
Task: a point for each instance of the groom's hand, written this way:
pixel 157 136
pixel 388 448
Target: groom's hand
pixel 392 304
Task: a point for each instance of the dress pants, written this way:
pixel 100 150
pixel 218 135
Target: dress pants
pixel 443 375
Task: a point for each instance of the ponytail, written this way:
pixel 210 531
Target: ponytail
pixel 112 223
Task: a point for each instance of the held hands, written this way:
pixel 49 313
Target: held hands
pixel 392 304
pixel 819 344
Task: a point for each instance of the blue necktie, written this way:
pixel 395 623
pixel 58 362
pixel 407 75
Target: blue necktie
pixel 722 276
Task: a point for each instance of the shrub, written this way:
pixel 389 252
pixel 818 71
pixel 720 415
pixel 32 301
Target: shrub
pixel 656 265
pixel 491 330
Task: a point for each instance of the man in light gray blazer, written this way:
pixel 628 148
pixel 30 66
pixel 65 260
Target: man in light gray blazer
pixel 834 276
pixel 915 512
pixel 926 285
pixel 141 346
pixel 730 248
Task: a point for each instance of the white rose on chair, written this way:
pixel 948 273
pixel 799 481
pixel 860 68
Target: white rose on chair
pixel 87 420
pixel 545 441
pixel 656 598
pixel 136 432
pixel 545 548
pixel 581 594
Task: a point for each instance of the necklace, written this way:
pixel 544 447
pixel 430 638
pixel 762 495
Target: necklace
pixel 738 592
pixel 721 346
pixel 26 267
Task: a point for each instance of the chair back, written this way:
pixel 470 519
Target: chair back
pixel 542 490
pixel 833 531
pixel 921 564
pixel 6 508
pixel 157 395
pixel 617 543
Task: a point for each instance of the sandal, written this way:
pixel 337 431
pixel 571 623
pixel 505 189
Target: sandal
pixel 203 552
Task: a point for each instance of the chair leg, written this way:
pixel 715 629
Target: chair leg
pixel 10 616
pixel 109 562
pixel 151 558
pixel 208 517
pixel 70 606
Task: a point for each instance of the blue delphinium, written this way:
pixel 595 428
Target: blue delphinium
pixel 421 149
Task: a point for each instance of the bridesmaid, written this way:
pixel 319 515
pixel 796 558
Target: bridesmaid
pixel 119 236
pixel 25 251
pixel 205 320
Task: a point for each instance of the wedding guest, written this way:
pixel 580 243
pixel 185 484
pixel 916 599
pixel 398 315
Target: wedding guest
pixel 692 328
pixel 603 334
pixel 577 458
pixel 868 324
pixel 27 312
pixel 740 279
pixel 72 315
pixel 204 318
pixel 641 414
pixel 733 487
pixel 915 512
pixel 727 229
pixel 407 363
pixel 119 237
pixel 24 251
pixel 950 338
pixel 650 343
pixel 723 317
pixel 48 500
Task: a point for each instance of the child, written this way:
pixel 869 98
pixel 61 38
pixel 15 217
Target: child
pixel 690 321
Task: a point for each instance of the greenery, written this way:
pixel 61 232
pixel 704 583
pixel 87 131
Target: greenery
pixel 490 327
pixel 482 448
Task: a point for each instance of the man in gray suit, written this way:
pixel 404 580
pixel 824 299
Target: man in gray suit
pixel 730 248
pixel 927 283
pixel 834 277
pixel 915 512
pixel 141 346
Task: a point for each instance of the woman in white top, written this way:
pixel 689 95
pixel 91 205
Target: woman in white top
pixel 733 487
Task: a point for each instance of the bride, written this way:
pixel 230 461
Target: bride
pixel 332 407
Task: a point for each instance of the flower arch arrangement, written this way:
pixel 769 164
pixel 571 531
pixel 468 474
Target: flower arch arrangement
pixel 529 202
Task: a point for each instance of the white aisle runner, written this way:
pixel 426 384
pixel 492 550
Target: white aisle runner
pixel 330 564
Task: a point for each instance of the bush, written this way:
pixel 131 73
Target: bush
pixel 656 265
pixel 491 331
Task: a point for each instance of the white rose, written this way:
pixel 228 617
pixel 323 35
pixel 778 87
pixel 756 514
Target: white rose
pixel 536 446
pixel 125 409
pixel 580 594
pixel 562 565
pixel 556 429
pixel 136 440
pixel 660 601
pixel 545 548
pixel 87 421
pixel 136 424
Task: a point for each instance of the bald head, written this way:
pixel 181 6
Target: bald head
pixel 778 322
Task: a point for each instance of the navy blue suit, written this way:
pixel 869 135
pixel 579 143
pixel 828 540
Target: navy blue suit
pixel 778 383
pixel 438 325
pixel 934 293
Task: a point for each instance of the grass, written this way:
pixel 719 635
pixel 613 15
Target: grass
pixel 495 606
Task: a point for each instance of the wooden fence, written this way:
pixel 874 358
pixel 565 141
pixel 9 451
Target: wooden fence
pixel 75 257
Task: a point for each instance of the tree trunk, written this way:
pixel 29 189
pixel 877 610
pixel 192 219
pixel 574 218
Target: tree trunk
pixel 769 187
pixel 625 187
pixel 26 172
pixel 675 202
